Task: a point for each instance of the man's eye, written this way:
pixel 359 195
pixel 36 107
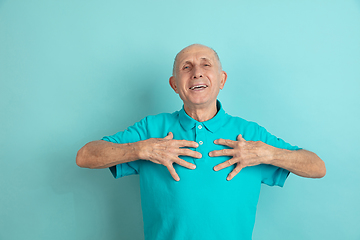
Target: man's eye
pixel 207 65
pixel 186 67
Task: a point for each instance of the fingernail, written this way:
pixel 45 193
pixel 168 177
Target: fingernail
pixel 193 166
pixel 210 154
pixel 215 168
pixel 228 178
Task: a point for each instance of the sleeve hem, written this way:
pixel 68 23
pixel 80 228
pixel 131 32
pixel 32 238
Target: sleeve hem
pixel 116 171
pixel 283 176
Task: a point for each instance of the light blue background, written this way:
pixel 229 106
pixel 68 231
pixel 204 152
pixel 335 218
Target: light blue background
pixel 74 71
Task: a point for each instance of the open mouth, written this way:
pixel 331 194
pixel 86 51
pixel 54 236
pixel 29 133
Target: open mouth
pixel 198 87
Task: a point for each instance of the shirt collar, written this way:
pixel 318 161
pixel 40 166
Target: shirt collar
pixel 212 125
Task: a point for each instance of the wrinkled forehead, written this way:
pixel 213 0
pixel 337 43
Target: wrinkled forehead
pixel 196 54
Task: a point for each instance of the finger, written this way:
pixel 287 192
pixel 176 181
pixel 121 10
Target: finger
pixel 173 172
pixel 189 153
pixel 169 136
pixel 225 142
pixel 222 152
pixel 225 164
pixel 234 172
pixel 240 138
pixel 184 163
pixel 186 143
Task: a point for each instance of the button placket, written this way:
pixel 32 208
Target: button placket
pixel 200 136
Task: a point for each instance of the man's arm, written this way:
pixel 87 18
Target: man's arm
pixel 103 154
pixel 300 162
pixel 250 153
pixel 165 151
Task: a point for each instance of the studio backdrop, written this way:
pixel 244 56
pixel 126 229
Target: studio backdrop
pixel 75 71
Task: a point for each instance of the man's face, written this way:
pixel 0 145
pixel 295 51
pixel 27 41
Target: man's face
pixel 197 77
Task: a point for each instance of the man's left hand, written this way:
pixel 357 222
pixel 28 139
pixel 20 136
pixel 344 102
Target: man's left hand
pixel 244 154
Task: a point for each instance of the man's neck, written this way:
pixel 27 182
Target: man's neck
pixel 201 114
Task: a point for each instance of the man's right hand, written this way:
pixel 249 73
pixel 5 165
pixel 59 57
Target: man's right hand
pixel 166 151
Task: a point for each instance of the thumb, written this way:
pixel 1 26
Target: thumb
pixel 169 136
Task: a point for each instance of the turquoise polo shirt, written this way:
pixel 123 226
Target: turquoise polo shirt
pixel 203 204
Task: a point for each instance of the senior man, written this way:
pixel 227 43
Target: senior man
pixel 216 162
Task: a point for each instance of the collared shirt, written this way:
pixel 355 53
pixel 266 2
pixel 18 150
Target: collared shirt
pixel 203 204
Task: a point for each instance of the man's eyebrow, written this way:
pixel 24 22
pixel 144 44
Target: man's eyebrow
pixel 185 62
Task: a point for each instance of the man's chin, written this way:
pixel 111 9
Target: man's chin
pixel 199 103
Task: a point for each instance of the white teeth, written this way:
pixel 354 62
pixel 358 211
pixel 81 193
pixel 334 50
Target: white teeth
pixel 198 86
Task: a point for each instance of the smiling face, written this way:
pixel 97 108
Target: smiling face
pixel 197 77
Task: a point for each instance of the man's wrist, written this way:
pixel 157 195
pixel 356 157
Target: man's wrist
pixel 135 150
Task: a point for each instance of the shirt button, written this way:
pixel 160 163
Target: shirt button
pixel 201 142
pixel 199 127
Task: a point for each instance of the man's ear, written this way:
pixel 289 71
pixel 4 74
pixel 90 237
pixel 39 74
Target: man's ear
pixel 173 83
pixel 223 79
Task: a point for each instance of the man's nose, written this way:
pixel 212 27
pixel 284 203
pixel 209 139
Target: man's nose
pixel 197 73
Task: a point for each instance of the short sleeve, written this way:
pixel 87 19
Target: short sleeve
pixel 132 134
pixel 272 175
